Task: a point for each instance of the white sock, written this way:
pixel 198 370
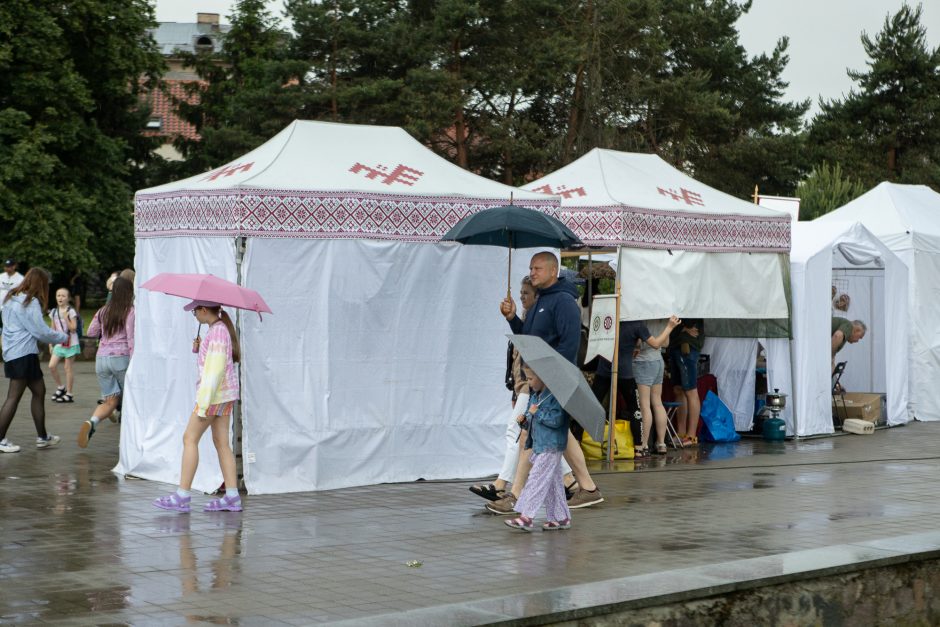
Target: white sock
pixel 183 494
pixel 231 493
pixel 95 420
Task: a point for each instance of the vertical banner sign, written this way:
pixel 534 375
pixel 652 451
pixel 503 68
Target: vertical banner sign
pixel 602 331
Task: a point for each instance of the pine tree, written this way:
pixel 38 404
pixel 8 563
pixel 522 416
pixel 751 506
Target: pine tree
pixel 887 128
pixel 826 188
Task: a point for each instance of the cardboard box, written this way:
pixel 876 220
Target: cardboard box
pixel 861 405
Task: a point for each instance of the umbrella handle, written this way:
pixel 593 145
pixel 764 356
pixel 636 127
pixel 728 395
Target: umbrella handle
pixel 509 271
pixel 196 340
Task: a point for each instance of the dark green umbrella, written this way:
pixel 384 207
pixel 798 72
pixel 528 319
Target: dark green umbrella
pixel 512 227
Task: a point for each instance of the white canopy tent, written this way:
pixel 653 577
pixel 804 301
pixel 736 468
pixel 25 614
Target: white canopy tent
pixel 670 226
pixel 824 255
pixel 382 361
pixel 907 219
pixel 687 249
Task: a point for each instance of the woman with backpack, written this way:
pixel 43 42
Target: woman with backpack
pixel 114 323
pixel 22 327
pixel 65 319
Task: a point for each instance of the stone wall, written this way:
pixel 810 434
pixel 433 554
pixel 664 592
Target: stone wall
pixel 903 594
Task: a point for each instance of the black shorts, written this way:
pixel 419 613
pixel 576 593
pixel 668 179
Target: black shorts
pixel 25 367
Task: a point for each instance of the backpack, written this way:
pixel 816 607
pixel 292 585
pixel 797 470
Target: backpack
pixel 80 325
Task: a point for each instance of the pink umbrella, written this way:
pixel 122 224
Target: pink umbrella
pixel 207 287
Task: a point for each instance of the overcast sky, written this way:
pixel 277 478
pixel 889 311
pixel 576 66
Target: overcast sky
pixel 824 35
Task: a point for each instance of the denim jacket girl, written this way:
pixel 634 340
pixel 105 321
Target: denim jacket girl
pixel 548 423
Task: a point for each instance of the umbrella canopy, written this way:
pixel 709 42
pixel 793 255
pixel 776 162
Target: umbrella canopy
pixel 565 381
pixel 512 227
pixel 208 287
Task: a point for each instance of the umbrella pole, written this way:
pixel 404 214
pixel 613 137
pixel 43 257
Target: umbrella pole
pixel 509 269
pixel 614 371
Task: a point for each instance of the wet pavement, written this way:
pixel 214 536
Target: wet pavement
pixel 79 545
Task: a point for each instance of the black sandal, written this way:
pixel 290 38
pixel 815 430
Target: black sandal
pixel 65 398
pixel 489 492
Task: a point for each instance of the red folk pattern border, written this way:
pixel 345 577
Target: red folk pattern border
pixel 656 229
pixel 286 213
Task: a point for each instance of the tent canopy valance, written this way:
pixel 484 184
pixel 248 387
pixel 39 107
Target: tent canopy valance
pixel 615 198
pixel 326 180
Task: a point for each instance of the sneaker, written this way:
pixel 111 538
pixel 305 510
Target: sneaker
pixel 85 432
pixel 48 442
pixel 583 498
pixel 115 416
pixel 8 447
pixel 174 502
pixel 224 504
pixel 503 506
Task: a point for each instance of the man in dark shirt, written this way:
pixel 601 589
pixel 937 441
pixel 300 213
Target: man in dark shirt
pixel 555 318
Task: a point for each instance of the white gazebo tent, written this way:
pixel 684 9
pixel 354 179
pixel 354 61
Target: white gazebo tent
pixel 687 249
pixel 847 254
pixel 382 361
pixel 907 219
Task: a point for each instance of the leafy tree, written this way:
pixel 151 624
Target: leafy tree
pixel 250 90
pixel 826 188
pixel 70 74
pixel 889 128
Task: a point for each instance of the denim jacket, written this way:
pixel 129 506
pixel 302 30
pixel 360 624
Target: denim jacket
pixel 548 428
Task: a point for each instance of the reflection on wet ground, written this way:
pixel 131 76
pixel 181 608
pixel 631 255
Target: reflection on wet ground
pixel 80 545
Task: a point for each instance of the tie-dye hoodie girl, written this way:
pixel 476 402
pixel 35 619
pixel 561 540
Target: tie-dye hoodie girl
pixel 218 381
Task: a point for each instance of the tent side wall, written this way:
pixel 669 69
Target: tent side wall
pixel 384 362
pixel 160 386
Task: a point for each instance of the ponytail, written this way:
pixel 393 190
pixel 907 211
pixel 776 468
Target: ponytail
pixel 236 348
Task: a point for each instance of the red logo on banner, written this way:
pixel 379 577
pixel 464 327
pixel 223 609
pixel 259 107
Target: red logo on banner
pixel 228 170
pixel 561 190
pixel 400 174
pixel 608 322
pixel 690 198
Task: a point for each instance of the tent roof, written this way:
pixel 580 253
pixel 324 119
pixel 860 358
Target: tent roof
pixel 611 198
pixel 852 244
pixel 320 179
pixel 890 209
pixel 325 156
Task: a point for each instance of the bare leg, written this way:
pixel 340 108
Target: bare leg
pixel 695 407
pixel 106 408
pixel 523 466
pixel 14 394
pixel 681 414
pixel 575 458
pixel 646 411
pixel 194 430
pixel 224 450
pixel 54 370
pixel 659 413
pixel 69 375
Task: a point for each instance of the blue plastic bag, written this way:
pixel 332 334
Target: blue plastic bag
pixel 718 421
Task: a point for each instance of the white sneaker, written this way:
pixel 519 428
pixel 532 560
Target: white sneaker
pixel 8 447
pixel 49 442
pixel 115 416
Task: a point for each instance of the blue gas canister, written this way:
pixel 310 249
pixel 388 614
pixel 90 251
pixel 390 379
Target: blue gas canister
pixel 775 430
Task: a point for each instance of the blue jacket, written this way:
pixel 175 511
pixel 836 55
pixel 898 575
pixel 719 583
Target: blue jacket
pixel 548 428
pixel 22 326
pixel 556 318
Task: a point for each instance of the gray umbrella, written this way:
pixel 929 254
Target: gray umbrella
pixel 565 381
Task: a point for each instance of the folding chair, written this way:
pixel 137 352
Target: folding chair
pixel 671 409
pixel 838 394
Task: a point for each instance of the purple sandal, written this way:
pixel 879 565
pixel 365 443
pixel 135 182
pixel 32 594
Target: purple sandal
pixel 553 525
pixel 173 502
pixel 521 523
pixel 224 504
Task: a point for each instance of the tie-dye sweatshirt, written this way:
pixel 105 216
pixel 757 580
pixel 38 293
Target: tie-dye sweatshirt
pixel 218 381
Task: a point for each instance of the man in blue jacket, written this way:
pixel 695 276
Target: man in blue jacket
pixel 556 318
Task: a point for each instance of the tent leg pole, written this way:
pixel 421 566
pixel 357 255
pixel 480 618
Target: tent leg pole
pixel 614 374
